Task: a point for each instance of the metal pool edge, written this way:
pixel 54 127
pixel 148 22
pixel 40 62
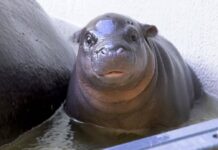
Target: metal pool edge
pixel 198 136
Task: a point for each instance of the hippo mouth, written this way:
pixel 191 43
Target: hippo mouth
pixel 113 74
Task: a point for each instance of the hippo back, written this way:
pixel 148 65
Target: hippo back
pixel 35 65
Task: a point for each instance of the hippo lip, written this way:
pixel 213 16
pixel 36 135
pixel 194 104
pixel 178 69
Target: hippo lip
pixel 113 74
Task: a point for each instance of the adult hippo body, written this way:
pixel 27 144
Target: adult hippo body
pixel 129 78
pixel 35 67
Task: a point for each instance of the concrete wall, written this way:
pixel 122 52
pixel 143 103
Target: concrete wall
pixel 192 25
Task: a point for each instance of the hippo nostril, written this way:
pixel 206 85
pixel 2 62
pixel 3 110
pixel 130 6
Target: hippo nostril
pixel 110 51
pixel 103 51
pixel 120 50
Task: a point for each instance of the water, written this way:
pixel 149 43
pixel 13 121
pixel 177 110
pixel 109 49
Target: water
pixel 60 133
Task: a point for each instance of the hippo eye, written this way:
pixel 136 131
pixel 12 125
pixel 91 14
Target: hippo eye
pixel 90 39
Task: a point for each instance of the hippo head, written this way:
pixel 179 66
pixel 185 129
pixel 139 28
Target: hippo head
pixel 113 51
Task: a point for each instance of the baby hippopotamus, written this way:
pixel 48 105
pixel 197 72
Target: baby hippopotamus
pixel 127 77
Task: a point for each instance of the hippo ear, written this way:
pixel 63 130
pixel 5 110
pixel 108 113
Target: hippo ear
pixel 76 37
pixel 149 30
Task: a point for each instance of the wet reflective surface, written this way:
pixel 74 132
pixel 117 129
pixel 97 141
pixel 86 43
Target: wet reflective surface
pixel 60 133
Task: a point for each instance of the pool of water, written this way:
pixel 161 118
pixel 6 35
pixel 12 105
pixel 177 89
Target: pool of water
pixel 60 133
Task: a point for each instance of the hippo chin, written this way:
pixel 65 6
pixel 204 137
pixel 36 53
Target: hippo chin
pixel 128 77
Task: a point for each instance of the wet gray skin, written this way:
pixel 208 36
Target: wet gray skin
pixel 35 67
pixel 112 54
pixel 129 78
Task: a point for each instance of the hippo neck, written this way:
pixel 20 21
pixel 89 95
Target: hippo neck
pixel 112 101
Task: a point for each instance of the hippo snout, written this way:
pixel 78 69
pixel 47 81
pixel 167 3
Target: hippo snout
pixel 116 59
pixel 116 50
